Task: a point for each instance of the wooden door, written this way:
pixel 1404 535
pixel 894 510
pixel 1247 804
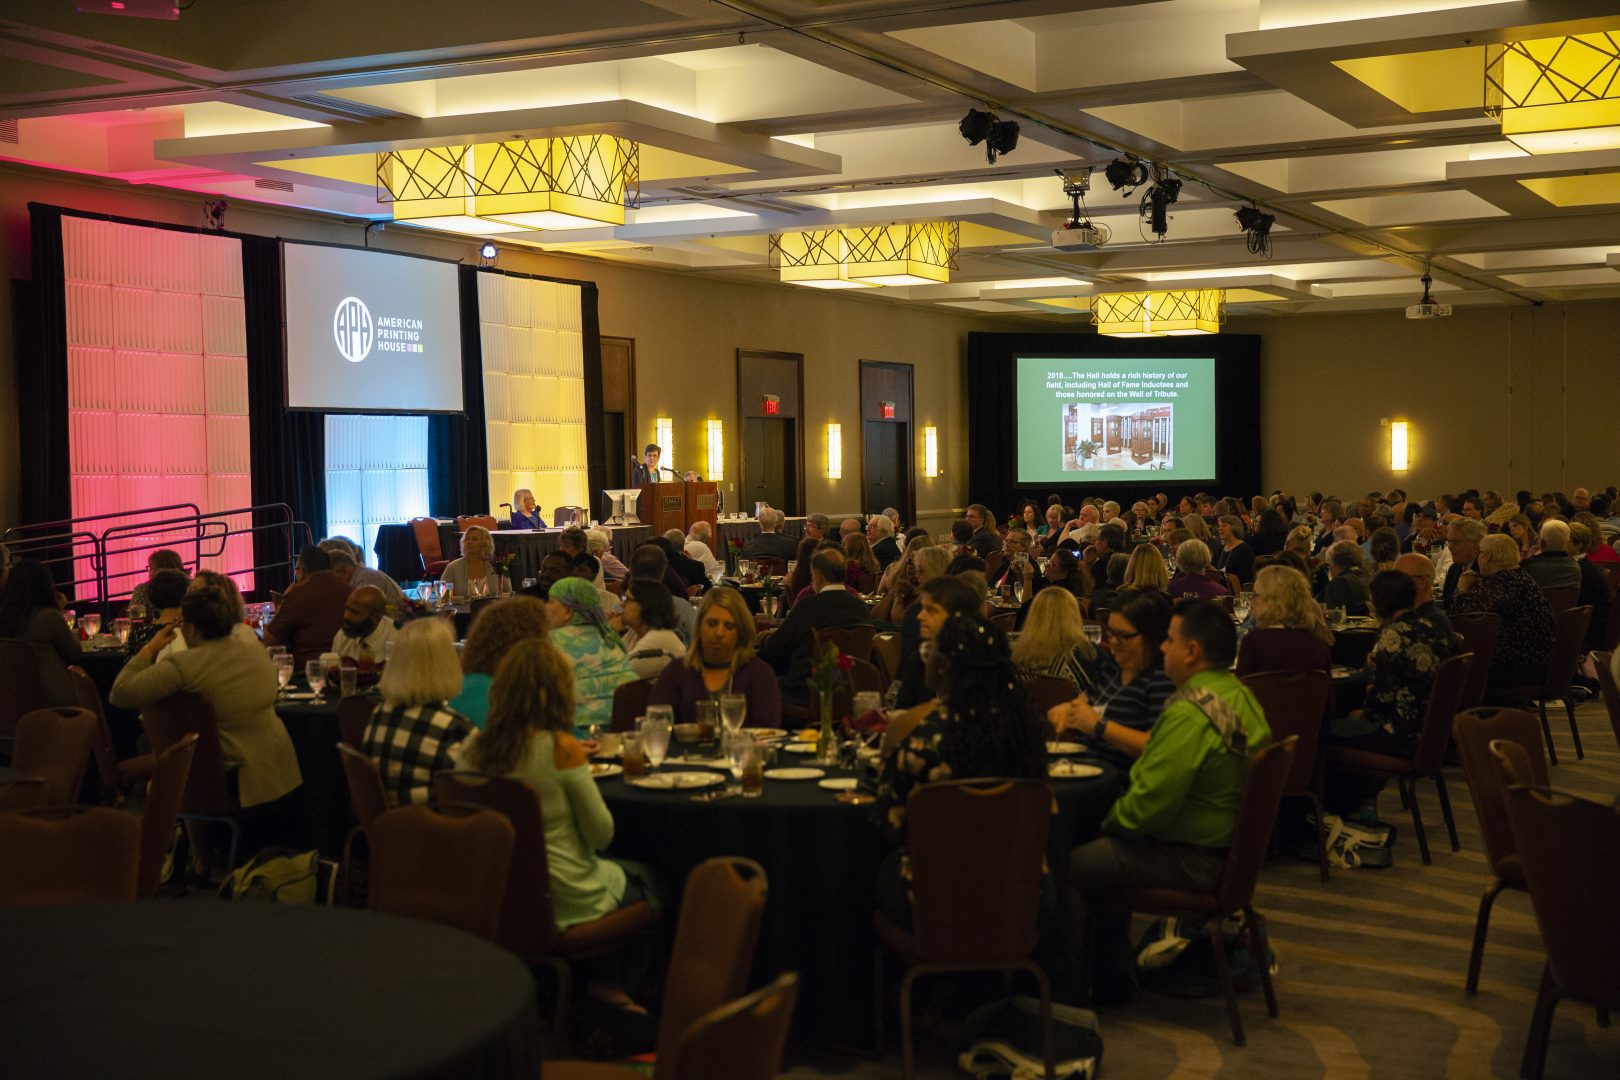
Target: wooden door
pixel 767 463
pixel 886 466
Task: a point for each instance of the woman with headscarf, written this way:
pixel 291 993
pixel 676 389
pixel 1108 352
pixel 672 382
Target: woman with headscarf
pixel 980 726
pixel 580 629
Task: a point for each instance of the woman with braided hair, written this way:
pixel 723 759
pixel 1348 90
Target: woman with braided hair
pixel 980 726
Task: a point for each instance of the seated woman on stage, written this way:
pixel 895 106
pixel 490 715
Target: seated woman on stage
pixel 29 610
pixel 415 733
pixel 530 738
pixel 497 629
pixel 1289 633
pixel 580 629
pixel 1053 640
pixel 1118 714
pixel 525 511
pixel 721 660
pixel 474 573
pixel 980 726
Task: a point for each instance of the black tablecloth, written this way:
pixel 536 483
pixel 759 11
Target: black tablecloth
pixel 821 857
pixel 743 530
pixel 248 990
pixel 400 558
pixel 327 811
pixel 103 667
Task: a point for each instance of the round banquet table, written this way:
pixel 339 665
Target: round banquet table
pixel 821 858
pixel 327 813
pixel 258 990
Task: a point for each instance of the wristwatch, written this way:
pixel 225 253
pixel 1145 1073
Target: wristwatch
pixel 1097 732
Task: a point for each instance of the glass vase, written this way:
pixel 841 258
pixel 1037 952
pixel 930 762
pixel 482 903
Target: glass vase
pixel 827 741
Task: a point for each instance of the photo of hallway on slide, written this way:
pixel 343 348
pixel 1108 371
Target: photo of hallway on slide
pixel 1131 437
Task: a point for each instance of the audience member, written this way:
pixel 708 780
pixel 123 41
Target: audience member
pixel 159 560
pixel 579 628
pixel 817 526
pixel 1289 633
pixel 414 733
pixel 1053 641
pixel 1192 577
pixel 721 660
pixel 366 630
pixel 861 567
pixel 493 634
pixel 1117 714
pixel 880 534
pixel 789 649
pixel 983 540
pixel 474 573
pixel 1553 567
pixel 1421 571
pixel 599 542
pixel 650 640
pixel 164 592
pixel 1145 570
pixel 1346 587
pixel 649 563
pixel 1234 556
pixel 311 611
pixel 770 543
pixel 692 573
pixel 351 573
pixel 696 547
pixel 1499 584
pixel 1594 589
pixel 939 598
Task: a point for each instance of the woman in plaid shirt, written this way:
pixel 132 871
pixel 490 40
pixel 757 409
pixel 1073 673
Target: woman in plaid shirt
pixel 414 733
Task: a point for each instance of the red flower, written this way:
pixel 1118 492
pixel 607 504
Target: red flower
pixel 845 662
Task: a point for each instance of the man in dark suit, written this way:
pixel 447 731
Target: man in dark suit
pixel 789 650
pixel 983 541
pixel 880 533
pixel 1012 567
pixel 1462 540
pixel 689 569
pixel 770 543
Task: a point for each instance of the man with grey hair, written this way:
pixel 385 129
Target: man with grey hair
pixel 1192 559
pixel 1346 587
pixel 1462 543
pixel 1016 549
pixel 849 525
pixel 770 543
pixel 599 542
pixel 1553 567
pixel 697 546
pixel 894 517
pixel 880 533
pixel 344 568
pixel 816 526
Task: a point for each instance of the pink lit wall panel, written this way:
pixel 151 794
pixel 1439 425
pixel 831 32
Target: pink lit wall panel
pixel 157 377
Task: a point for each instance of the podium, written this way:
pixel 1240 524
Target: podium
pixel 663 506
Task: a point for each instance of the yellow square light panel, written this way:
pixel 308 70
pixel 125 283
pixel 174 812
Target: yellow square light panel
pixel 1595 189
pixel 1556 95
pixel 1172 313
pixel 1442 80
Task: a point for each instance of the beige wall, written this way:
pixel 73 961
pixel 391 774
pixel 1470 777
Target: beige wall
pixel 687 329
pixel 1501 397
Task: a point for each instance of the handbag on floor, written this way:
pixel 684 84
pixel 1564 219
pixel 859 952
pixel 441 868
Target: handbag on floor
pixel 276 875
pixel 1008 1041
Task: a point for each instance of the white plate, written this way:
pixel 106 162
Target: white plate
pixel 696 759
pixel 794 773
pixel 799 747
pixel 838 783
pixel 299 695
pixel 764 734
pixel 1073 770
pixel 677 781
pixel 1064 748
pixel 601 769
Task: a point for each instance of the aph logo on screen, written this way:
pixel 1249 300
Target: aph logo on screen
pixel 353 329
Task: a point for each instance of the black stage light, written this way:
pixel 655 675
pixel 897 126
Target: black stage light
pixel 1257 223
pixel 1171 185
pixel 976 126
pixel 1125 173
pixel 1003 138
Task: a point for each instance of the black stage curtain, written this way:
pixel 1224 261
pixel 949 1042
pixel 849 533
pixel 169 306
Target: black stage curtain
pixel 458 450
pixel 42 376
pixel 288 449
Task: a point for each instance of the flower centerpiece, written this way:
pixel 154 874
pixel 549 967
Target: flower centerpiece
pixel 770 588
pixel 502 565
pixel 829 669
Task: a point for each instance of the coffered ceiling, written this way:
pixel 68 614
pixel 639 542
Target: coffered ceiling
pixel 1359 124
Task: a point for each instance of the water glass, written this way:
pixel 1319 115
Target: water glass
pixel 91 624
pixel 1240 607
pixel 866 703
pixel 665 713
pixel 737 746
pixel 733 711
pixel 753 774
pixel 745 569
pixel 655 740
pixel 284 670
pixel 348 681
pixel 635 764
pixel 70 617
pixel 1018 590
pixel 1093 632
pixel 478 587
pixel 1336 617
pixel 315 672
pixel 121 628
pixel 136 613
pixel 708 719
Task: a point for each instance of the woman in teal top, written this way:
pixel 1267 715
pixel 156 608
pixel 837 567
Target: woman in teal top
pixel 580 630
pixel 497 628
pixel 528 737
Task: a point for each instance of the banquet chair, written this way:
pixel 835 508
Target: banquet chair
pixel 886 655
pixel 23 793
pixel 1449 679
pixel 1295 703
pixel 170 770
pixel 742 1040
pixel 528 923
pixel 369 797
pixel 852 641
pixel 1478 631
pixel 1568 644
pixel 1473 732
pixel 426 531
pixel 1043 692
pixel 630 701
pixel 487 521
pixel 442 862
pixel 1611 692
pixel 68 855
pixel 55 744
pixel 565 515
pixel 118 778
pixel 1234 585
pixel 1268 774
pixel 1561 598
pixel 976 849
pixel 19 667
pixel 1570 850
pixel 1005 621
pixel 354 714
pixel 207 798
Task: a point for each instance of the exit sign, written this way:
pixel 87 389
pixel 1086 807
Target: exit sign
pixel 886 409
pixel 771 404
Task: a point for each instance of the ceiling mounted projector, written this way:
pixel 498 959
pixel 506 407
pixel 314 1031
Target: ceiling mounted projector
pixel 1085 236
pixel 1427 308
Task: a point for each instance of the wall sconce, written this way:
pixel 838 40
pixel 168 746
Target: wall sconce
pixel 835 452
pixel 1400 446
pixel 930 450
pixel 717 449
pixel 664 436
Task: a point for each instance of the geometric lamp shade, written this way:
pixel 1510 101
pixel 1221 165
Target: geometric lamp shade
pixel 1169 313
pixel 573 182
pixel 1555 95
pixel 867 256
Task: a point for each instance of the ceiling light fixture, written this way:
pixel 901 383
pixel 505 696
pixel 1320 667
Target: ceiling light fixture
pixel 1123 173
pixel 998 136
pixel 573 182
pixel 1555 95
pixel 1171 313
pixel 818 258
pixel 867 256
pixel 1257 224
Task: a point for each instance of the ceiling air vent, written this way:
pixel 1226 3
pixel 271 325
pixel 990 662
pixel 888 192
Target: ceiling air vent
pixel 357 110
pixel 9 133
pixel 271 185
pixel 130 56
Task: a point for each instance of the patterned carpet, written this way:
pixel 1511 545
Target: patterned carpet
pixel 1371 971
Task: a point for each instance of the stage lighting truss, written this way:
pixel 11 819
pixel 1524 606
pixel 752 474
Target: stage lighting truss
pixel 866 256
pixel 573 182
pixel 1555 95
pixel 1170 313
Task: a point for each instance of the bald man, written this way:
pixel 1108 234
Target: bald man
pixel 850 525
pixel 1421 571
pixel 366 631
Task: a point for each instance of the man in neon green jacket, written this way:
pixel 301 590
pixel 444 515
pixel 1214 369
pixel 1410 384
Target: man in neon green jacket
pixel 1172 826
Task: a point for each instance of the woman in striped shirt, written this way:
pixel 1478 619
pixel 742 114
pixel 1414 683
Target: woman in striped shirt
pixel 1118 713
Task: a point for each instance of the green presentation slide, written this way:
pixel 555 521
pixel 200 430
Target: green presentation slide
pixel 1120 419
